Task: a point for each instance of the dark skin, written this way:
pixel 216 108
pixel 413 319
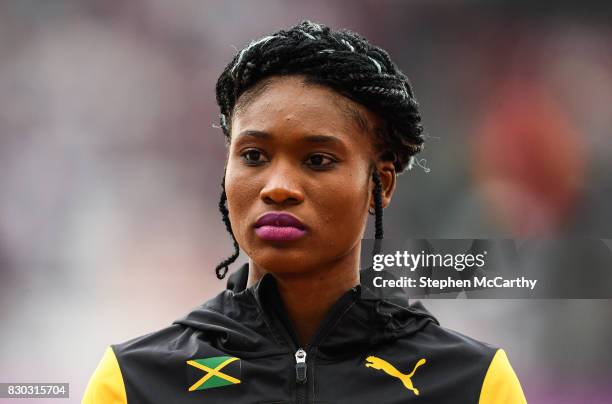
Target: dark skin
pixel 273 165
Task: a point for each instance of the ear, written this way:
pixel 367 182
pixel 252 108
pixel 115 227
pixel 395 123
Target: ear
pixel 388 179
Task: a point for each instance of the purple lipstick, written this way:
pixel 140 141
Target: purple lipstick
pixel 279 226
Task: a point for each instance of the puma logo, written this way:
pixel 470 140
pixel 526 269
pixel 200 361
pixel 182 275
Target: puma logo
pixel 381 364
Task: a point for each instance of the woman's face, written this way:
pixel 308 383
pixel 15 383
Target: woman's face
pixel 295 149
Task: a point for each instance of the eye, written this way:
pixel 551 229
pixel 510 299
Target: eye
pixel 319 161
pixel 252 156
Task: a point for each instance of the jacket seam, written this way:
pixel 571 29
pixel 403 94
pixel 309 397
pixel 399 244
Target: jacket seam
pixel 486 372
pixel 116 353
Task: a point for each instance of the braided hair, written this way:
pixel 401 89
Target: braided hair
pixel 344 61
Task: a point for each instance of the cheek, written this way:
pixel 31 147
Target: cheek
pixel 342 206
pixel 241 191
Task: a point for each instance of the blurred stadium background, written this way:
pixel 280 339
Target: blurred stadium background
pixel 110 167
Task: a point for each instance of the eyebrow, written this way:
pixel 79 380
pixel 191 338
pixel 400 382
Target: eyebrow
pixel 318 139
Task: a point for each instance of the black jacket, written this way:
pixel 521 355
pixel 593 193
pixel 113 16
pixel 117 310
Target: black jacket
pixel 239 347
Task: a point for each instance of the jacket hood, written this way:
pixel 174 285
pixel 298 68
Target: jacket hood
pixel 251 322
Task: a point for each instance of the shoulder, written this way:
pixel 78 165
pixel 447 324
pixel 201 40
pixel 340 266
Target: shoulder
pixel 452 341
pixel 106 383
pixel 501 385
pixel 115 379
pixel 133 369
pixel 162 340
pixel 457 365
pixel 484 368
pixel 439 341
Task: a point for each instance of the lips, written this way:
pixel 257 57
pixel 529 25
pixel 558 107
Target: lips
pixel 279 227
pixel 279 220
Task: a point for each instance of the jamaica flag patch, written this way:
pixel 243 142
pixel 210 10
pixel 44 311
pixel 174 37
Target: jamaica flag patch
pixel 209 373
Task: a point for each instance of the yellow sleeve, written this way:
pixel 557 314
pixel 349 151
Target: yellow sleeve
pixel 106 384
pixel 500 385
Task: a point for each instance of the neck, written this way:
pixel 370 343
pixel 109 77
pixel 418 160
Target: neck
pixel 309 295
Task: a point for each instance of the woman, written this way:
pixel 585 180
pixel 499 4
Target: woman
pixel 318 124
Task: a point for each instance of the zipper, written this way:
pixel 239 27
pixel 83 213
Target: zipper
pixel 301 366
pixel 301 375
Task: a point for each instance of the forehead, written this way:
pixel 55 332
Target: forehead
pixel 287 102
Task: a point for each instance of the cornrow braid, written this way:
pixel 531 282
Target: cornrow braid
pixel 378 212
pixel 378 209
pixel 345 62
pixel 223 267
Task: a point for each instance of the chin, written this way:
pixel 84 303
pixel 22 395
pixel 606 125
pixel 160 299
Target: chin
pixel 282 261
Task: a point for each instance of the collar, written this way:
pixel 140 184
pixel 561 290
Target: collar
pixel 357 320
pixel 237 281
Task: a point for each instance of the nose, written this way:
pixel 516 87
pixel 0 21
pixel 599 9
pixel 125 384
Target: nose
pixel 282 186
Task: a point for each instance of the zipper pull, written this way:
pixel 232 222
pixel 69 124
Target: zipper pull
pixel 300 366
